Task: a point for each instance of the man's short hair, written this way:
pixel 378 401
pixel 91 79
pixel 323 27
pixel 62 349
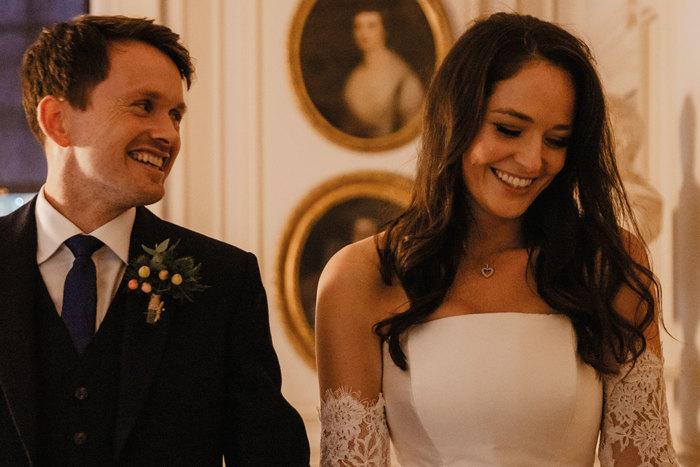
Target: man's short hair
pixel 71 58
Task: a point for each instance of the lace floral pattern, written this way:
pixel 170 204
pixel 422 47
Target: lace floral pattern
pixel 354 431
pixel 636 415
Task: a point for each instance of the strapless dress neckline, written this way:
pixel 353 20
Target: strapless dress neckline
pixel 493 389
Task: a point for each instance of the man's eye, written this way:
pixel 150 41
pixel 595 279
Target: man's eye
pixel 507 131
pixel 176 115
pixel 145 105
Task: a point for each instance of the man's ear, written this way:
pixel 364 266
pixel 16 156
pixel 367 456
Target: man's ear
pixel 51 116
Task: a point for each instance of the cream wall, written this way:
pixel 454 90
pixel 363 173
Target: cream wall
pixel 683 155
pixel 249 154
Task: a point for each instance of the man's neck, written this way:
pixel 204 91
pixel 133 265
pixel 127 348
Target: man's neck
pixel 88 215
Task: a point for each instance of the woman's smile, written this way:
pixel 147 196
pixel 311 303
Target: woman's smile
pixel 512 181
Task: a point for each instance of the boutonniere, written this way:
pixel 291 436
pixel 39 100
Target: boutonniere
pixel 162 275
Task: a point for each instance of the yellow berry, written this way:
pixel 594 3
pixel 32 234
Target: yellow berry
pixel 176 279
pixel 144 271
pixel 163 274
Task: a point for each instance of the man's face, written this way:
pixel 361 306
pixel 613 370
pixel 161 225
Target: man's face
pixel 126 141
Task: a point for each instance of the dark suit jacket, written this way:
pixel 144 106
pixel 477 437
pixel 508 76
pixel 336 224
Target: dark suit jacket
pixel 202 382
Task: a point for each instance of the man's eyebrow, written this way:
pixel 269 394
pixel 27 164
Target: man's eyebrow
pixel 526 118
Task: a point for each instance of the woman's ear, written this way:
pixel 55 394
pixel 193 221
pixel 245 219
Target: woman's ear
pixel 51 116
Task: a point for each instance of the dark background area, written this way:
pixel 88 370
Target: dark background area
pixel 22 161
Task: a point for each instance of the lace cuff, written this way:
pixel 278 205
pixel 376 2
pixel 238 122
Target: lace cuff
pixel 635 420
pixel 353 431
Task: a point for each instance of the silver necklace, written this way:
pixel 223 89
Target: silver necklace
pixel 487 271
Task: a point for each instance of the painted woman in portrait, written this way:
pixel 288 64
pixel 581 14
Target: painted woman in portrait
pixel 382 93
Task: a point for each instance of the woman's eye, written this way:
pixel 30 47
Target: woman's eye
pixel 507 131
pixel 558 143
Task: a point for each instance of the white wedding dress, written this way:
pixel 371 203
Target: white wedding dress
pixel 499 389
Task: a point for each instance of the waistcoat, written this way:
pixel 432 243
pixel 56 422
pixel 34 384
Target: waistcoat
pixel 77 394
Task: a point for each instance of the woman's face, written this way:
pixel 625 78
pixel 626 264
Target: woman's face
pixel 368 30
pixel 522 143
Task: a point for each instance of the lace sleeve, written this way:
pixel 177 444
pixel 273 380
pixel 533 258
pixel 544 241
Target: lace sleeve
pixel 353 431
pixel 635 427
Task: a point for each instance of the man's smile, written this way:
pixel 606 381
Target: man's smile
pixel 148 158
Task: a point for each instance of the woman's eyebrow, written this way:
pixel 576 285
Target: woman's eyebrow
pixel 526 118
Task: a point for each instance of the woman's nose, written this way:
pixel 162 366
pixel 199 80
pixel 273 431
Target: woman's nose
pixel 531 156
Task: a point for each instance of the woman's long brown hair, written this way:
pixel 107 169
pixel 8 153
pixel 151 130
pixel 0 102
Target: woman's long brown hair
pixel 582 259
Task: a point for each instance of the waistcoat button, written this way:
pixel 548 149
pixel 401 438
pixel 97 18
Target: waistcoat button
pixel 79 438
pixel 81 393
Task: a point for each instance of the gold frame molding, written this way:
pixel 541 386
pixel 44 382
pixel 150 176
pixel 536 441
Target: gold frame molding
pixel 442 36
pixel 384 186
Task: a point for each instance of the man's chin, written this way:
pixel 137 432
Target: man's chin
pixel 150 198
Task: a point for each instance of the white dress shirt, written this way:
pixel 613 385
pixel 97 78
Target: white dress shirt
pixel 55 259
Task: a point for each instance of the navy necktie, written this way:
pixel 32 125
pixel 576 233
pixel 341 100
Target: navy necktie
pixel 80 291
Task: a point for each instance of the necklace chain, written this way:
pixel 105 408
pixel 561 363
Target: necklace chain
pixel 486 271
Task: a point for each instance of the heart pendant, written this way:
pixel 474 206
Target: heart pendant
pixel 487 271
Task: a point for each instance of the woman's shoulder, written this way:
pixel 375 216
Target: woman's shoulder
pixel 394 59
pixel 635 247
pixel 628 302
pixel 352 283
pixel 355 266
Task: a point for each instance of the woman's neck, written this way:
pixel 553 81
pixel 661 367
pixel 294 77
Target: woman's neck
pixel 375 56
pixel 484 240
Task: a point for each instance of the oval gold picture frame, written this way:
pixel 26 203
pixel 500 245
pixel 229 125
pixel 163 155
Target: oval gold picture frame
pixel 322 55
pixel 323 222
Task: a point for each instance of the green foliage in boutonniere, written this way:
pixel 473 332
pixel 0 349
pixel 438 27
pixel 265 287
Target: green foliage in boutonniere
pixel 162 274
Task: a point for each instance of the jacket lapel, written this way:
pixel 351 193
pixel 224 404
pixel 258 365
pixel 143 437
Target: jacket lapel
pixel 143 343
pixel 19 276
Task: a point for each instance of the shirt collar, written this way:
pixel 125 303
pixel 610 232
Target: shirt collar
pixel 53 229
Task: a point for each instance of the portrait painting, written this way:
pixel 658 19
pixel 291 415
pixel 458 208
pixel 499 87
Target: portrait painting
pixel 339 212
pixel 360 68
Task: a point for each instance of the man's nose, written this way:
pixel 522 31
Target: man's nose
pixel 166 129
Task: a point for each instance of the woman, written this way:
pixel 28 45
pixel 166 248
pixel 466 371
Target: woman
pixel 382 93
pixel 505 318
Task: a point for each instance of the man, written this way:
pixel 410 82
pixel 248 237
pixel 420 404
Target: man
pixel 168 370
